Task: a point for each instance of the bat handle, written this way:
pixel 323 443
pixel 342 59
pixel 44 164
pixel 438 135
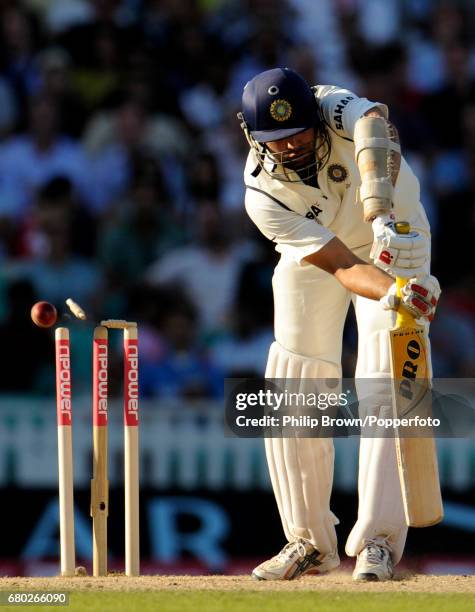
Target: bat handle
pixel 404 318
pixel 400 282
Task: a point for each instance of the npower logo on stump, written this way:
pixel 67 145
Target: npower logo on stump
pixel 131 383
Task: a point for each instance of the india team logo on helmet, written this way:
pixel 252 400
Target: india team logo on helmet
pixel 280 110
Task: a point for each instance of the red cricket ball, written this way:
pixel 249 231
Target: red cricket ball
pixel 43 314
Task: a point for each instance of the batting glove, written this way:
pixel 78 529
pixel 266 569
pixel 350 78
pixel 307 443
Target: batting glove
pixel 419 297
pixel 405 255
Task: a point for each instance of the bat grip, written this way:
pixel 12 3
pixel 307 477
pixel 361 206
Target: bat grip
pixel 404 318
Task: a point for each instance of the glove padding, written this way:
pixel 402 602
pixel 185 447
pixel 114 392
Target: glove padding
pixel 419 296
pixel 403 255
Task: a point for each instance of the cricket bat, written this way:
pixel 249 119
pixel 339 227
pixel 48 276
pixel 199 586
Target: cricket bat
pixel 416 450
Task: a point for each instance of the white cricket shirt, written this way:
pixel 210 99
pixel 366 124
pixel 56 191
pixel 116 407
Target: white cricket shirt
pixel 301 219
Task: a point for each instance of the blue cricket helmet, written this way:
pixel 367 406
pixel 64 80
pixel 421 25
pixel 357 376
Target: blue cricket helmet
pixel 278 103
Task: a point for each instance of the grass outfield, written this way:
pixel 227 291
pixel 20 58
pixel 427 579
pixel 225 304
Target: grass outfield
pixel 336 592
pixel 228 601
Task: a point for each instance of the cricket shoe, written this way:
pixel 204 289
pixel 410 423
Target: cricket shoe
pixel 374 562
pixel 297 558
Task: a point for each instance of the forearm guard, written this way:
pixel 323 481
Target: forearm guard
pixel 373 146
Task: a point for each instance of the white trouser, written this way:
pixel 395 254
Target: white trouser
pixel 310 312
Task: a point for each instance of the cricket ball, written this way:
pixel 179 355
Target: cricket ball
pixel 43 314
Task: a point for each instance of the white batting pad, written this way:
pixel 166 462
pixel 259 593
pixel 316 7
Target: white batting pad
pixel 301 469
pixel 380 510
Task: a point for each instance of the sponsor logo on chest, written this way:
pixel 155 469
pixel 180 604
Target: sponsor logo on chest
pixel 313 213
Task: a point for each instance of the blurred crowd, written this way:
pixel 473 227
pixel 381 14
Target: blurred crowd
pixel 121 164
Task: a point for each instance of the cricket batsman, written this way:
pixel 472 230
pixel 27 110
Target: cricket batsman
pixel 325 181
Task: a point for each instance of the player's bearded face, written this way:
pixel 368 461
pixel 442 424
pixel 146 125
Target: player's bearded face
pixel 295 152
